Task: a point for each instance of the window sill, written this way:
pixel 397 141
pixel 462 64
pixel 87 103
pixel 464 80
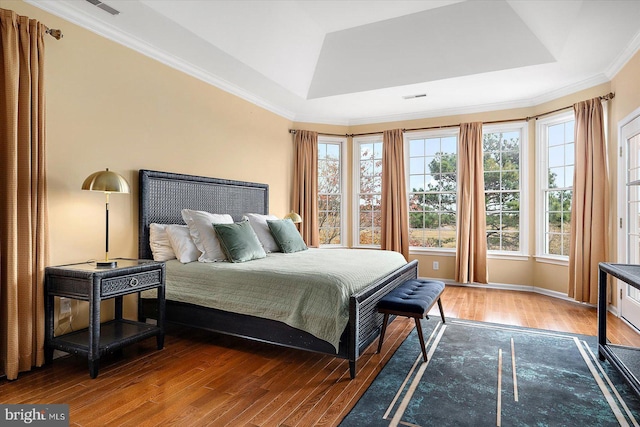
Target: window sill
pixel 555 260
pixel 510 256
pixel 365 247
pixel 432 251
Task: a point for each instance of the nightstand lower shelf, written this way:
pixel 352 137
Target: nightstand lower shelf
pixel 114 335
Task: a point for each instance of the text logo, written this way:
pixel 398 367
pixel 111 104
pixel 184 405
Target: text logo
pixel 34 415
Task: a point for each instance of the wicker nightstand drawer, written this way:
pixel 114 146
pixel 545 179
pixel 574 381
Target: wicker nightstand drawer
pixel 127 283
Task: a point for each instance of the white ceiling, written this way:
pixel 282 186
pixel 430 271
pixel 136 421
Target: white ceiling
pixel 355 61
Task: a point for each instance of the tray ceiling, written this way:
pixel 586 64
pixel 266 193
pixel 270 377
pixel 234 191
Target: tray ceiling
pixel 353 62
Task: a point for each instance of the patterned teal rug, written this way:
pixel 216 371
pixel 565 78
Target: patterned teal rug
pixel 482 374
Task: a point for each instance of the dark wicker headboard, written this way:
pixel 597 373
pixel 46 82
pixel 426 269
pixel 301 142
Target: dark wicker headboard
pixel 163 195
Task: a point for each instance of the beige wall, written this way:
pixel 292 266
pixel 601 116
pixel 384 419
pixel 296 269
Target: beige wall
pixel 109 106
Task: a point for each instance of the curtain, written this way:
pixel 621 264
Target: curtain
pixel 394 204
pixel 471 248
pixel 305 185
pixel 23 208
pixel 589 215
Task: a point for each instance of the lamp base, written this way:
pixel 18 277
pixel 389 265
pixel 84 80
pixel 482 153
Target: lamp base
pixel 106 264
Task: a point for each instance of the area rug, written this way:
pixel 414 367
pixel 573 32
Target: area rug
pixel 482 374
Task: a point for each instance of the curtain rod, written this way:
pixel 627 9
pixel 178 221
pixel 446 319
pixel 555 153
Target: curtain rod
pixel 606 97
pixel 56 34
pixel 294 131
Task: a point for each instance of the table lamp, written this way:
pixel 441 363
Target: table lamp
pixel 293 216
pixel 107 182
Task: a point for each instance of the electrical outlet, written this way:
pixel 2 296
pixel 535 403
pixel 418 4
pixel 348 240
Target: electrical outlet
pixel 436 265
pixel 65 308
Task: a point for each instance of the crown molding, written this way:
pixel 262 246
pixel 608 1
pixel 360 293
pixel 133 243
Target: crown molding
pixel 624 57
pixel 480 108
pixel 86 21
pixel 571 89
pixel 455 111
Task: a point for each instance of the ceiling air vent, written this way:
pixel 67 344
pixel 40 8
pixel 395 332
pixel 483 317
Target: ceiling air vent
pixel 420 95
pixel 104 7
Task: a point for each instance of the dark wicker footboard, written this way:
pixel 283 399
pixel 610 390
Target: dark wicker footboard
pixel 364 320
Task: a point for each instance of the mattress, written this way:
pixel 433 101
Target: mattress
pixel 308 290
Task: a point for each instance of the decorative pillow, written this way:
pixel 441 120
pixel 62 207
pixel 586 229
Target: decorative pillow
pixel 182 244
pixel 286 235
pixel 159 243
pixel 259 224
pixel 239 241
pixel 200 225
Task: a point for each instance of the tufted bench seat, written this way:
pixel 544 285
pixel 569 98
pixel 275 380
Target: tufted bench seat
pixel 414 298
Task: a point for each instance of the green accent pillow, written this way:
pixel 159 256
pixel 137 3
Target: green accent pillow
pixel 286 235
pixel 239 242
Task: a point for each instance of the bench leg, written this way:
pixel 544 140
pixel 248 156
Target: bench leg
pixel 384 329
pixel 441 310
pixel 419 328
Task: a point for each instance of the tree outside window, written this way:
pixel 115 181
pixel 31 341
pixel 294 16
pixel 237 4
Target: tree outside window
pixel 330 192
pixel 433 188
pixel 558 194
pixel 369 191
pixel 502 189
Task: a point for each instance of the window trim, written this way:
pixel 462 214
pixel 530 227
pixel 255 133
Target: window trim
pixel 542 178
pixel 355 207
pixel 344 187
pixel 431 133
pixel 523 126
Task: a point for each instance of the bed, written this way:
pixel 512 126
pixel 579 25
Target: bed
pixel 162 197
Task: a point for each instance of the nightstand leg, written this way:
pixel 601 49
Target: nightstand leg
pixel 93 368
pixel 94 329
pixel 160 341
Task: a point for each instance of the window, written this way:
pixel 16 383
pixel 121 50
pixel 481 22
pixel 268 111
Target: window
pixel 556 154
pixel 368 178
pixel 502 146
pixel 331 192
pixel 433 185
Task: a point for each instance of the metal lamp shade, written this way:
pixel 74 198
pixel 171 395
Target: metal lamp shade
pixel 293 216
pixel 108 182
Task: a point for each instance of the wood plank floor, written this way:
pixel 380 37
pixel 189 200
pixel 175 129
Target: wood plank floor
pixel 204 379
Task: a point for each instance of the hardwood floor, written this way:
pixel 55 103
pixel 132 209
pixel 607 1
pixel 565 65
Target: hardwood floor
pixel 206 379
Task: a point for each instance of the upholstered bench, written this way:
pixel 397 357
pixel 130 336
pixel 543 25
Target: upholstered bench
pixel 414 298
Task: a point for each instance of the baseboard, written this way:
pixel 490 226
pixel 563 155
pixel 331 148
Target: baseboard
pixel 522 288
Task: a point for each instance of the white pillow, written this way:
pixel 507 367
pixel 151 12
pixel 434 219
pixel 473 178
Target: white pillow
pixel 259 224
pixel 180 239
pixel 159 242
pixel 200 225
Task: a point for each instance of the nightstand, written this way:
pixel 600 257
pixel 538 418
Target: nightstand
pixel 87 282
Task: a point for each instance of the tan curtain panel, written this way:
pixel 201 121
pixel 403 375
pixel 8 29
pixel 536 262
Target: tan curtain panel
pixel 305 185
pixel 23 209
pixel 394 205
pixel 471 248
pixel 589 215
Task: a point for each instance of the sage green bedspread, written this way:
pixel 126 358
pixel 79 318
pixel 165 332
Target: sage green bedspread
pixel 308 290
